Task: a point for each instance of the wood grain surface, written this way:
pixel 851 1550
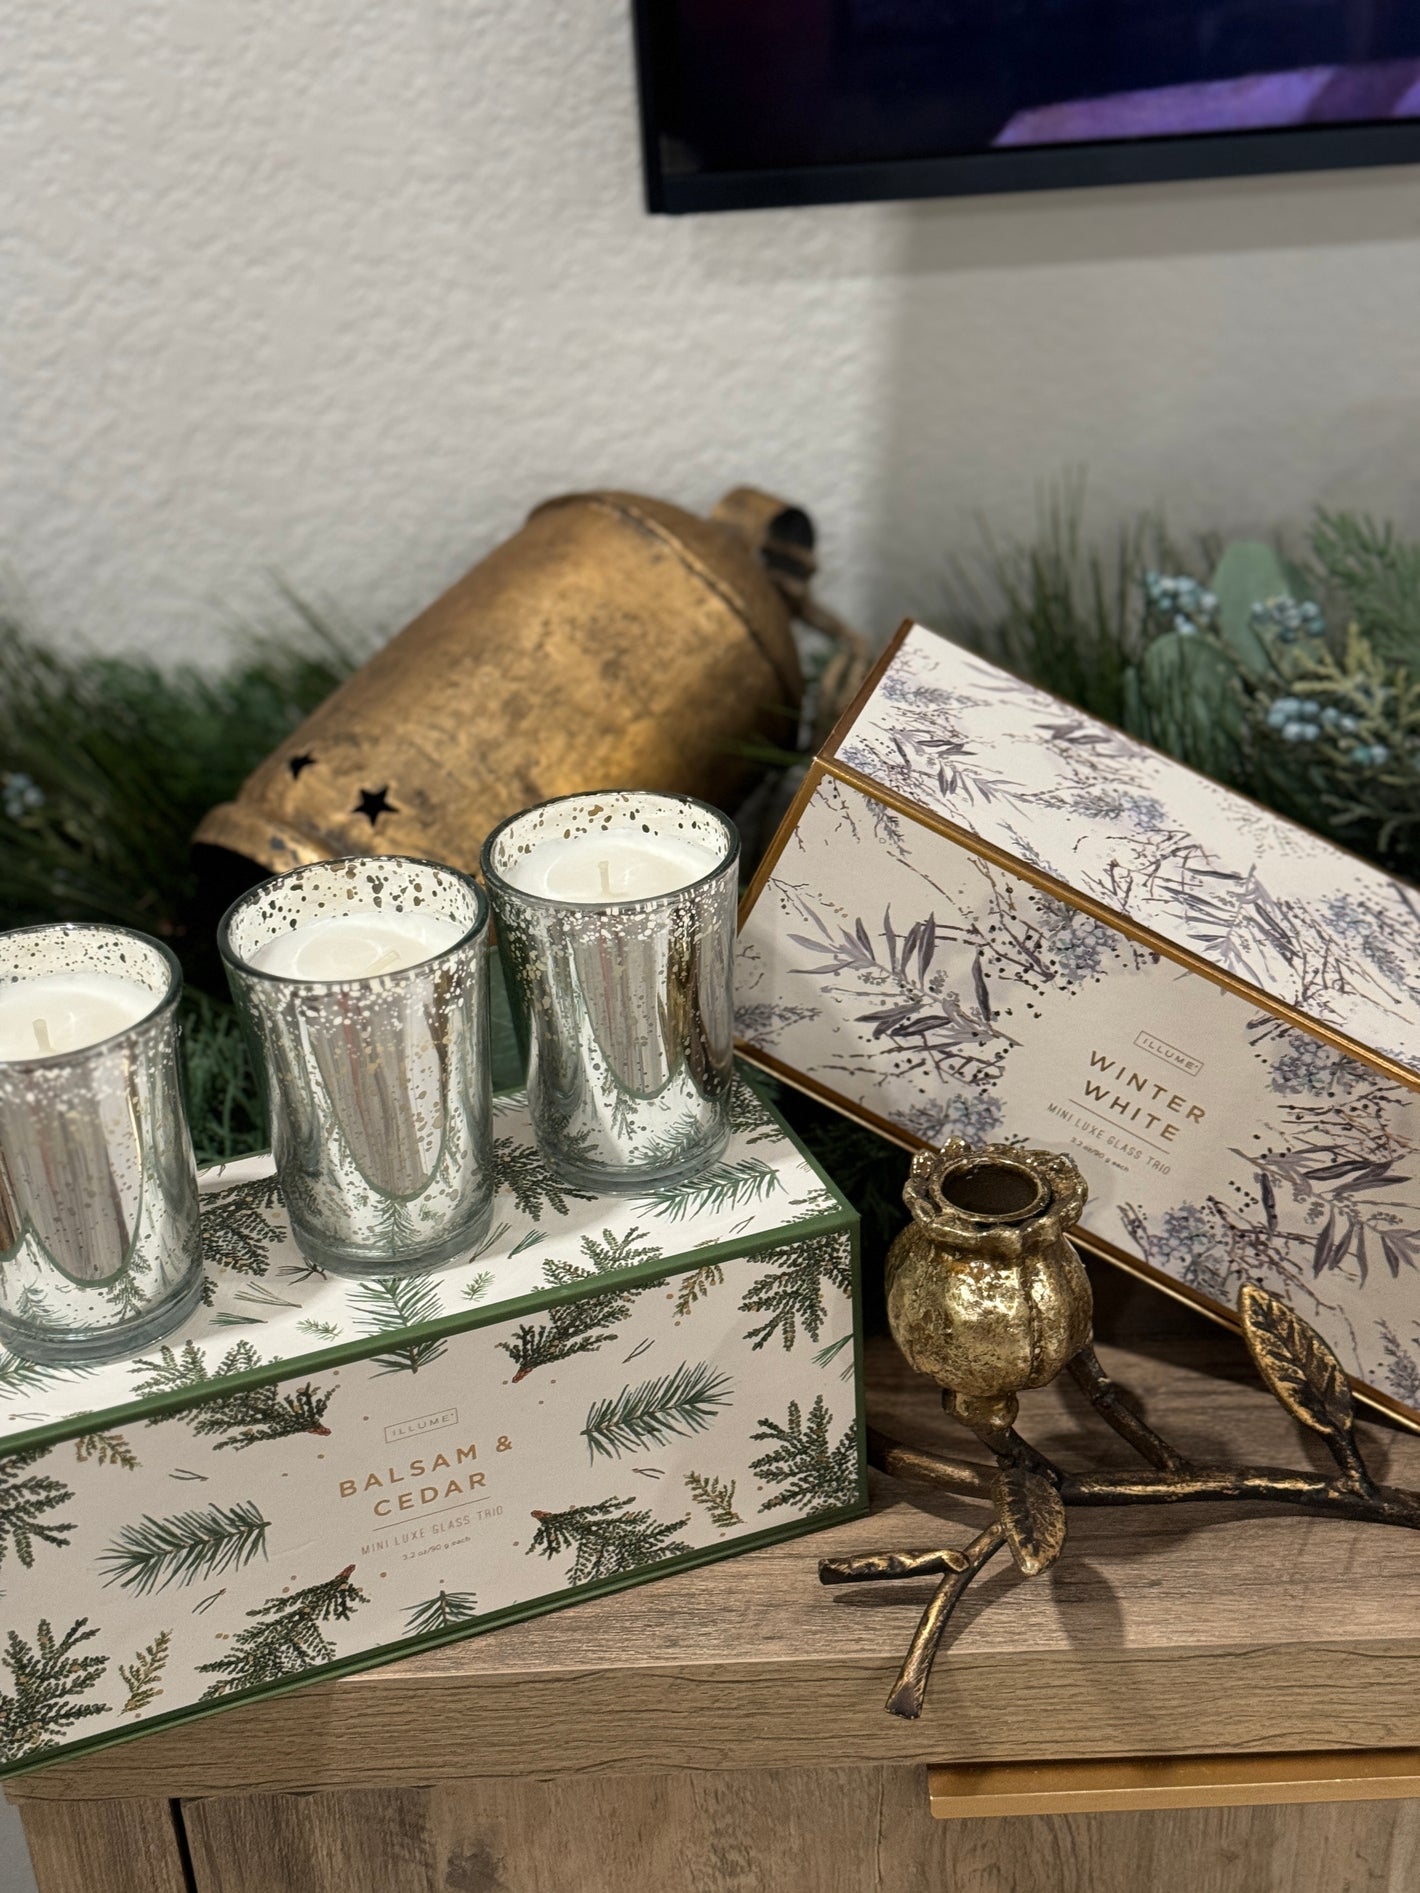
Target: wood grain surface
pixel 1166 1631
pixel 106 1847
pixel 864 1830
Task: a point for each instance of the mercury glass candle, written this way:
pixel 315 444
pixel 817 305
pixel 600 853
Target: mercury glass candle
pixel 100 1252
pixel 364 984
pixel 616 922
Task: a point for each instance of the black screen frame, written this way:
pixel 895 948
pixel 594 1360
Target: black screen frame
pixel 1039 168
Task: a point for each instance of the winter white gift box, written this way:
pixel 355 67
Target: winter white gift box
pixel 318 1474
pixel 988 915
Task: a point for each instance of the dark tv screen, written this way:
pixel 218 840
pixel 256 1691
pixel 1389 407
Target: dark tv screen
pixel 750 102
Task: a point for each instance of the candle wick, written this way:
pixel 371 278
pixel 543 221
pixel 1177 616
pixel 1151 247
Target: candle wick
pixel 387 958
pixel 42 1037
pixel 604 868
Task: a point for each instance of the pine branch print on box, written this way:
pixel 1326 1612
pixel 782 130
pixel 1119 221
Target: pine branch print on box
pixel 792 1293
pixel 47 1676
pixel 730 1185
pixel 718 1498
pixel 696 1284
pixel 385 1302
pixel 187 1547
pixel 520 1169
pixel 606 1539
pixel 174 1369
pixel 141 1676
pixel 676 1405
pixel 240 1226
pixel 257 1414
pixel 249 1415
pixel 747 1114
pixel 17 1375
pixel 285 1636
pixel 810 1469
pixel 26 1499
pixel 441 1612
pixel 573 1327
pixel 106 1449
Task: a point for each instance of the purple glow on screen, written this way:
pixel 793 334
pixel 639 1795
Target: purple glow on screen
pixel 1313 95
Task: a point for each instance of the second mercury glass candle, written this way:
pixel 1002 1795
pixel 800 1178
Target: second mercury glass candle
pixel 616 922
pixel 365 985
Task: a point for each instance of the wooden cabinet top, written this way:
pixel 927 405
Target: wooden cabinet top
pixel 1204 1628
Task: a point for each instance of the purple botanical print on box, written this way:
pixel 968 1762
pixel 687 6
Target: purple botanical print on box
pixel 1199 866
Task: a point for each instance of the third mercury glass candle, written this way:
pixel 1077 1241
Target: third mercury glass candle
pixel 616 920
pixel 365 985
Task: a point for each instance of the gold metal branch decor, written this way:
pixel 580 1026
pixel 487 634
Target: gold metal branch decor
pixel 988 1296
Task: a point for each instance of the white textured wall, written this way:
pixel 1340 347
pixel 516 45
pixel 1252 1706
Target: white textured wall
pixel 335 291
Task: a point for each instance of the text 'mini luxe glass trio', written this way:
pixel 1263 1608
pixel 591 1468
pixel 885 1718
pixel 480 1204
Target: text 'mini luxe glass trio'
pixel 364 985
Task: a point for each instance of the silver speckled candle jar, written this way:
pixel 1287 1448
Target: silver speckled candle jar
pixel 364 983
pixel 99 1245
pixel 616 922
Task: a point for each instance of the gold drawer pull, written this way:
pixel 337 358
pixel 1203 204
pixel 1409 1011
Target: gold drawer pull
pixel 995 1789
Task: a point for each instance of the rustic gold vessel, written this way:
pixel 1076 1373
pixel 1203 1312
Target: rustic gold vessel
pixel 985 1291
pixel 614 641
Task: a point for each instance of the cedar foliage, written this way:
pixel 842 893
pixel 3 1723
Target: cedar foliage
pixel 582 1326
pixel 812 1471
pixel 521 1169
pixel 25 1499
pixel 718 1498
pixel 142 1675
pixel 791 1294
pixel 606 1539
pixel 250 1415
pixel 284 1637
pixel 47 1677
pixel 239 1229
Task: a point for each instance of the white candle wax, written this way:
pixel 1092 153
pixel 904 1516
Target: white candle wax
pixel 618 864
pixel 360 943
pixel 64 1012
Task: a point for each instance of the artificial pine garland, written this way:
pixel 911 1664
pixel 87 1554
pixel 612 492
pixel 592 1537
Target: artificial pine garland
pixel 106 767
pixel 1294 677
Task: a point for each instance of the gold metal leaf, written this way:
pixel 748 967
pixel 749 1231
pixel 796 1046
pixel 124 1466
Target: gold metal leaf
pixel 1032 1518
pixel 1296 1364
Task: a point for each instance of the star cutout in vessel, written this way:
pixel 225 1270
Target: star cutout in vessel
pixel 374 803
pixel 297 763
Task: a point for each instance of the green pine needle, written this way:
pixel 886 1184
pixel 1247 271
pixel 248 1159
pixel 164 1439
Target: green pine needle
pixel 187 1547
pixel 440 1613
pixel 384 1303
pixel 728 1186
pixel 674 1406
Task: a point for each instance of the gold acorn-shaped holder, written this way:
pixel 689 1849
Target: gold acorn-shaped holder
pixel 988 1296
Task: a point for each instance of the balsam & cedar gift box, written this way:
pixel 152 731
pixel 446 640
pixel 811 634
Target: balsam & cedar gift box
pixel 316 1474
